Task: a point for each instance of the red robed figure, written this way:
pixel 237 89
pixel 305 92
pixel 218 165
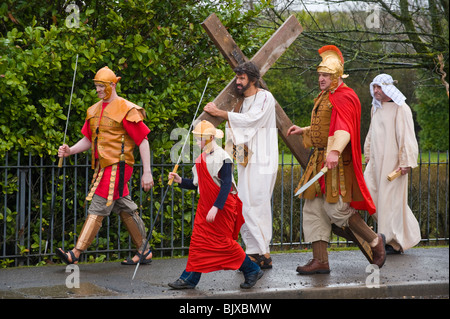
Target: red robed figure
pixel 213 245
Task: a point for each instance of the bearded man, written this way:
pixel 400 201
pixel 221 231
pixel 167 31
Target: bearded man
pixel 334 134
pixel 252 128
pixel 113 127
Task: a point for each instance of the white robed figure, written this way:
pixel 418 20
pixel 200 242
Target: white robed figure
pixel 254 126
pixel 391 145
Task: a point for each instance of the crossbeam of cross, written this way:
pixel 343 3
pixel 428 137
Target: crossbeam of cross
pixel 263 59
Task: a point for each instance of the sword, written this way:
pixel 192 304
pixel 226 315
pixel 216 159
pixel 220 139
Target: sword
pixel 68 112
pixel 122 168
pixel 60 162
pixel 311 181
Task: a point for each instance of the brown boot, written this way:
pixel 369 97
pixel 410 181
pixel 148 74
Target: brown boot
pixel 379 252
pixel 359 227
pixel 320 250
pixel 314 266
pixel 319 263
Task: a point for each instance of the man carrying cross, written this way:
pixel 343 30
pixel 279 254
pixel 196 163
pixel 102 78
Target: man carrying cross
pixel 334 134
pixel 253 128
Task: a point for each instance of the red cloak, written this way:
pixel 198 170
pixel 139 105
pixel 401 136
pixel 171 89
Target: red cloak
pixel 348 108
pixel 213 245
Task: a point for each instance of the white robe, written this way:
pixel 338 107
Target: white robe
pixel 391 143
pixel 255 126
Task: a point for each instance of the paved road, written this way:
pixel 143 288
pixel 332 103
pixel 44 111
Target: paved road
pixel 419 273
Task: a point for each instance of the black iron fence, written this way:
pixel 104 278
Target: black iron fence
pixel 34 187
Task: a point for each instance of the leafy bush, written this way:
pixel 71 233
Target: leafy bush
pixel 432 116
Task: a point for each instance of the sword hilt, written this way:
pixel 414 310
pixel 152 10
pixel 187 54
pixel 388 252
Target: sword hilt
pixel 122 154
pixel 175 169
pixel 60 163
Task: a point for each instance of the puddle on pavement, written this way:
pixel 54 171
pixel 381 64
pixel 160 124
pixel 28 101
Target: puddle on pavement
pixel 61 291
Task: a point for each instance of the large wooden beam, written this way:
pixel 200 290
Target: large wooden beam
pixel 263 59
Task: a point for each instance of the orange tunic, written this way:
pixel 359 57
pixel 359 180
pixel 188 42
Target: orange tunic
pixel 113 120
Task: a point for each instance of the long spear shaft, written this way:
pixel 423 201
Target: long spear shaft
pixel 68 112
pixel 170 181
pixel 52 204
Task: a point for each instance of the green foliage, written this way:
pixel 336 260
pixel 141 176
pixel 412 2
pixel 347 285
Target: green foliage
pixel 432 116
pixel 291 93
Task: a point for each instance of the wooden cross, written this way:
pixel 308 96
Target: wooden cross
pixel 263 59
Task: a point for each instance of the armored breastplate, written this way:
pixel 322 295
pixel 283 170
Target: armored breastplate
pixel 109 137
pixel 338 180
pixel 320 121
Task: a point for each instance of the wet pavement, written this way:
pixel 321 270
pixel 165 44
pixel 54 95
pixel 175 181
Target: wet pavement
pixel 419 273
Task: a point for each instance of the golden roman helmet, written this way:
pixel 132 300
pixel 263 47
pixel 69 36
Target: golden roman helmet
pixel 333 63
pixel 106 76
pixel 205 129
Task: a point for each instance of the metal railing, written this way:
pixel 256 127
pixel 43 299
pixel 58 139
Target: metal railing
pixel 32 186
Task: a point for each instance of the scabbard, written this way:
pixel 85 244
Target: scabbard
pixel 122 169
pixel 121 177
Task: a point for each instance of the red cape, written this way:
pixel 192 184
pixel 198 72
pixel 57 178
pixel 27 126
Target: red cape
pixel 348 107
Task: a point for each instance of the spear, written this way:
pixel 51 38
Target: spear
pixel 52 205
pixel 68 112
pixel 170 181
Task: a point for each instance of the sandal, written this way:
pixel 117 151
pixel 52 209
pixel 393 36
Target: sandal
pixel 63 255
pixel 263 261
pixel 144 260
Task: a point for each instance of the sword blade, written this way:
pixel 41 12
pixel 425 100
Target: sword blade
pixel 135 270
pixel 311 181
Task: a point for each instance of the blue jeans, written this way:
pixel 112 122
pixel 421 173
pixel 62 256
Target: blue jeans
pixel 248 267
pixel 192 277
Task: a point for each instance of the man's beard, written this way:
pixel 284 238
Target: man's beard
pixel 241 89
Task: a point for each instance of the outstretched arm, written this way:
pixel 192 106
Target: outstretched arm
pixel 82 145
